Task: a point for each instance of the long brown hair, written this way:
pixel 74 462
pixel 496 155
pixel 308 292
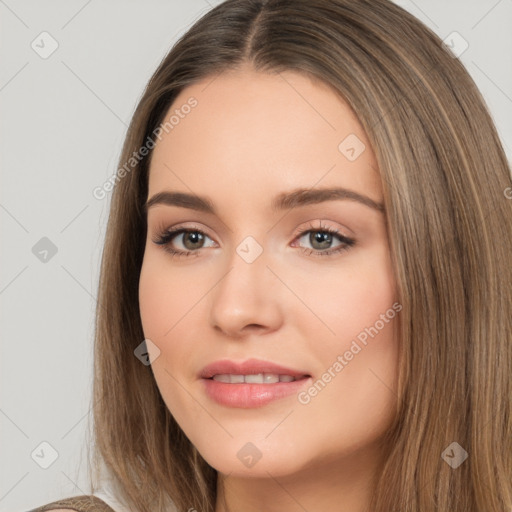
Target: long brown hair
pixel 445 179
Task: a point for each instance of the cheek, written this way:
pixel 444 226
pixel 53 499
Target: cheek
pixel 166 296
pixel 348 299
pixel 161 308
pixel 355 384
pixel 155 298
pixel 172 318
pixel 357 393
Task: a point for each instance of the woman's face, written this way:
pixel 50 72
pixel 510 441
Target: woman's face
pixel 304 283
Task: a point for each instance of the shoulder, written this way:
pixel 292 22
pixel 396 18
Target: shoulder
pixel 76 504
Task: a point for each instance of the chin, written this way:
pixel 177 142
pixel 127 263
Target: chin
pixel 252 459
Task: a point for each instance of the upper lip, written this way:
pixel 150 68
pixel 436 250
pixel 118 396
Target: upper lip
pixel 248 367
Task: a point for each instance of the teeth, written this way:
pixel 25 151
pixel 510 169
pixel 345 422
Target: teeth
pixel 259 378
pixel 223 378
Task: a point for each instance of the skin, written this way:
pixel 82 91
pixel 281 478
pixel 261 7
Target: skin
pixel 250 137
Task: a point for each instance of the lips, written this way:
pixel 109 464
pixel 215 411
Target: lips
pixel 251 383
pixel 249 367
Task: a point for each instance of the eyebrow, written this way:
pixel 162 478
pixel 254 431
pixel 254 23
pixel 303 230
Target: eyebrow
pixel 286 200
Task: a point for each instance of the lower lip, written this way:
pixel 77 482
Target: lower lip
pixel 247 396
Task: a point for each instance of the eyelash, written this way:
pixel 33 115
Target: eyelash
pixel 164 238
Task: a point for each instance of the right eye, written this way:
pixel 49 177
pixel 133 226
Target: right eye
pixel 192 237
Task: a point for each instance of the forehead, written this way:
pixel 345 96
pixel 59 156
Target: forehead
pixel 258 134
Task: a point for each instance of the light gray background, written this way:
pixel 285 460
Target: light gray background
pixel 63 120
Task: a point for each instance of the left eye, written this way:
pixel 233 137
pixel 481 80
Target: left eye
pixel 322 239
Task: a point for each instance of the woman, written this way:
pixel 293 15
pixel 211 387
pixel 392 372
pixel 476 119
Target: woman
pixel 236 370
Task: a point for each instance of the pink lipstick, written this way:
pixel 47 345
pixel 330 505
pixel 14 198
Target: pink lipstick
pixel 252 383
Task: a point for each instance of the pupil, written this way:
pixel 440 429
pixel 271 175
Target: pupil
pixel 322 237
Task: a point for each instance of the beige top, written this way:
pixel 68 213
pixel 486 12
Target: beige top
pixel 79 503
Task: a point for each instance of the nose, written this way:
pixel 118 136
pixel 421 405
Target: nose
pixel 246 299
